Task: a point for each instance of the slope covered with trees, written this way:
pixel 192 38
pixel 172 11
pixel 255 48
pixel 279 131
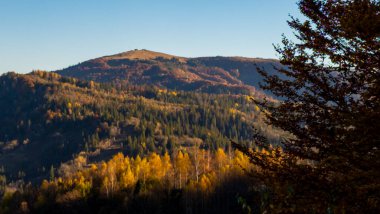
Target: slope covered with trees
pixel 93 146
pixel 47 119
pixel 193 181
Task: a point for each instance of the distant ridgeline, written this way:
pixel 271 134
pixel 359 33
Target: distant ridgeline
pixel 48 119
pixel 228 75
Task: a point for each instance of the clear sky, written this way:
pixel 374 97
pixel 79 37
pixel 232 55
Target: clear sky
pixel 53 34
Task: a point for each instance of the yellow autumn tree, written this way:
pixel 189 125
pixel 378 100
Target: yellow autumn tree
pixel 241 162
pixel 144 171
pixel 127 179
pixel 221 160
pixel 118 162
pixel 182 167
pixel 167 166
pixel 108 172
pixel 136 165
pixel 205 159
pixel 156 168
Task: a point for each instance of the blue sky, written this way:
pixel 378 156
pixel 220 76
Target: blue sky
pixel 53 34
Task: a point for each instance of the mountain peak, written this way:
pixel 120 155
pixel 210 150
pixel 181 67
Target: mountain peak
pixel 205 74
pixel 142 54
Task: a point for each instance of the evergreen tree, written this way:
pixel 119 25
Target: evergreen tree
pixel 330 104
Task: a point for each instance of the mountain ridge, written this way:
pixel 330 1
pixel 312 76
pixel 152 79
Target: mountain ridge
pixel 141 54
pixel 219 74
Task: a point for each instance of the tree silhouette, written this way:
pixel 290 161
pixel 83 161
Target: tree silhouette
pixel 330 105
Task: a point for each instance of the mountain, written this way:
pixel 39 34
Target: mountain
pixel 135 102
pixel 47 119
pixel 236 75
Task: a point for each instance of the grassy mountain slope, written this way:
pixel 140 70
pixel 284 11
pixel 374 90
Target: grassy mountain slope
pixel 235 75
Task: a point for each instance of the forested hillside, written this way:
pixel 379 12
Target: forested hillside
pixel 48 120
pixel 195 181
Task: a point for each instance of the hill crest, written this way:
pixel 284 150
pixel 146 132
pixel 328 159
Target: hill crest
pixel 142 54
pixel 236 75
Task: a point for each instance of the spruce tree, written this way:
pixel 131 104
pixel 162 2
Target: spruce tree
pixel 329 102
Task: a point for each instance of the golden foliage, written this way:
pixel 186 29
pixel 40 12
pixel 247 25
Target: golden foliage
pixel 122 172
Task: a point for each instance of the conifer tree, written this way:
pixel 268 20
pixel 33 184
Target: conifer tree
pixel 330 104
